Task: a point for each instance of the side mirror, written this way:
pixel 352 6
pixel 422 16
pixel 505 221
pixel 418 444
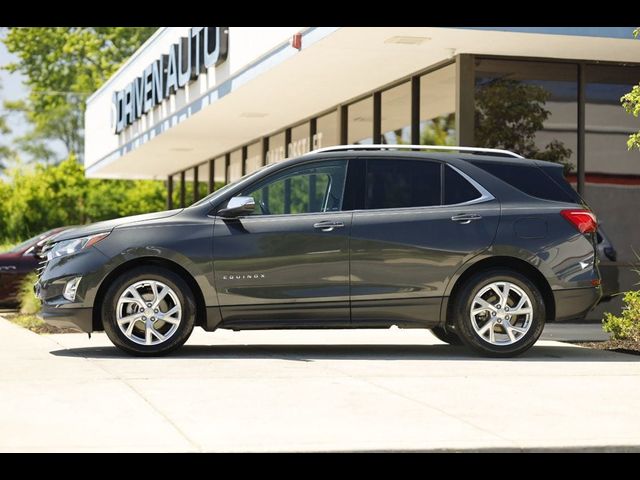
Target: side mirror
pixel 238 206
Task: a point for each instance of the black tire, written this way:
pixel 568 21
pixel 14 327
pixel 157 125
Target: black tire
pixel 461 309
pixel 184 295
pixel 446 336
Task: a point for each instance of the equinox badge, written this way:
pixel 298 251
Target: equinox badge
pixel 249 276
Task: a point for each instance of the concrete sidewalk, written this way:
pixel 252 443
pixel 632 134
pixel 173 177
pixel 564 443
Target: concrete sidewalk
pixel 311 391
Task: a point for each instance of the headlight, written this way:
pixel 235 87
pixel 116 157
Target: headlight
pixel 69 247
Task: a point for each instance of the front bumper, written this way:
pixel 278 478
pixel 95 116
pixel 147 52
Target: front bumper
pixel 76 318
pixel 575 303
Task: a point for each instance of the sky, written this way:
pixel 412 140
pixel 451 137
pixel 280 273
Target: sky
pixel 13 88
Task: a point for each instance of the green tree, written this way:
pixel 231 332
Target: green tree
pixel 63 66
pixel 631 103
pixel 47 196
pixel 508 115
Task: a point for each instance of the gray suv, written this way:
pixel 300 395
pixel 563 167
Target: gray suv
pixel 482 247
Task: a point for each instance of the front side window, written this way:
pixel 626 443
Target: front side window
pixel 305 189
pixel 396 183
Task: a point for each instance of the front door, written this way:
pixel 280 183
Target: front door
pixel 288 262
pixel 421 221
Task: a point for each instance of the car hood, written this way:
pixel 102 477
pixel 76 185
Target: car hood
pixel 109 225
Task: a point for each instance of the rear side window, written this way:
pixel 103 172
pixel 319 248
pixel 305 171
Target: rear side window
pixel 457 189
pixel 529 179
pixel 397 183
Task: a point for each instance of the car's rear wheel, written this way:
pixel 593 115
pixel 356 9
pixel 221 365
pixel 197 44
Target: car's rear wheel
pixel 499 313
pixel 148 311
pixel 446 336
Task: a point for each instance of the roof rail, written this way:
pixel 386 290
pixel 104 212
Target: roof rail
pixel 339 148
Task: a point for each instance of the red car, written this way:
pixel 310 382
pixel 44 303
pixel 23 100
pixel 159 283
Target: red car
pixel 18 262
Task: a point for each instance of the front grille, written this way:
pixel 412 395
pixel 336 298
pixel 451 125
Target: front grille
pixel 42 256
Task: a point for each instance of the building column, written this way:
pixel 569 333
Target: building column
pixel 265 150
pixel 170 192
pixel 465 107
pixel 196 189
pixel 212 178
pixel 343 120
pixel 245 153
pixel 182 189
pixel 377 117
pixel 415 110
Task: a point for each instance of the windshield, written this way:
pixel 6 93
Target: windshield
pixel 221 191
pixel 26 243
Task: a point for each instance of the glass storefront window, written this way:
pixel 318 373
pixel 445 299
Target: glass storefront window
pixel 300 143
pixel 175 198
pixel 219 174
pixel 203 180
pixel 438 107
pixel 254 157
pixel 612 182
pixel 235 166
pixel 326 131
pixel 360 122
pixel 276 150
pixel 528 107
pixel 396 114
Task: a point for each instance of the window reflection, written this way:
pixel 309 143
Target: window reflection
pixel 235 166
pixel 300 142
pixel 527 107
pixel 438 106
pixel 612 171
pixel 276 150
pixel 326 131
pixel 219 172
pixel 254 157
pixel 396 114
pixel 360 122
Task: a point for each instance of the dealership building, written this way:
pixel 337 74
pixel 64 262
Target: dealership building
pixel 201 106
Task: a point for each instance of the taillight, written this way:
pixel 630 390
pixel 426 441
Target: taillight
pixel 584 220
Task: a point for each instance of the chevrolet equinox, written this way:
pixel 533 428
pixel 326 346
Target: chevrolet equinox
pixel 480 246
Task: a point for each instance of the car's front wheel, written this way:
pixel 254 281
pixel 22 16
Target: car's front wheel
pixel 499 313
pixel 148 311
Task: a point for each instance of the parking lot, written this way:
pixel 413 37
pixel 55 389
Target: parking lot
pixel 385 390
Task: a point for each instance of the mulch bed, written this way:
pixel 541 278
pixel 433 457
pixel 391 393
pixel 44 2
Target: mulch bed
pixel 31 322
pixel 619 346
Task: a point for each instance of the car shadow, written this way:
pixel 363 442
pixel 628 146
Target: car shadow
pixel 308 353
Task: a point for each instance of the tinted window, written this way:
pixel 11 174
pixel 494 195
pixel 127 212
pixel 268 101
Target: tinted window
pixel 306 189
pixel 402 183
pixel 529 179
pixel 457 189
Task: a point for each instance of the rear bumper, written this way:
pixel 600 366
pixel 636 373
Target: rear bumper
pixel 76 318
pixel 575 303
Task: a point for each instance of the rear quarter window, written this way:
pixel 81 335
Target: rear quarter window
pixel 533 181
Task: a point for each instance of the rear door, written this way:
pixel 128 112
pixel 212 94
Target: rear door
pixel 421 221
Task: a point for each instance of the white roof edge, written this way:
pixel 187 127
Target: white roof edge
pixel 136 54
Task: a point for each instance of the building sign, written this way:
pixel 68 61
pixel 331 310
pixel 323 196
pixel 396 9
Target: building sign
pixel 186 60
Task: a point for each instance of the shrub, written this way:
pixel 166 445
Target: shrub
pixel 29 304
pixel 627 325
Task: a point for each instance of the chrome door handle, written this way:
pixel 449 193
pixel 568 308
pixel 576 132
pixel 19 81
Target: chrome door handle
pixel 328 226
pixel 465 218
